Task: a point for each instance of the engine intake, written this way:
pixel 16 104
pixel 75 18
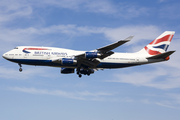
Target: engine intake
pixel 68 61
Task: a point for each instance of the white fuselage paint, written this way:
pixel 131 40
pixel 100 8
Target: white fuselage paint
pixel 45 57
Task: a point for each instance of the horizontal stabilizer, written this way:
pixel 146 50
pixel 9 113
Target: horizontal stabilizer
pixel 162 56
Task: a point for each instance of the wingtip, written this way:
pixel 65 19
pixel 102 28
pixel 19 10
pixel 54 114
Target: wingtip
pixel 173 51
pixel 129 38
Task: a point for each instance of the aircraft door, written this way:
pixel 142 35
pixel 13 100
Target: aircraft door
pixel 137 59
pixel 48 56
pixel 26 55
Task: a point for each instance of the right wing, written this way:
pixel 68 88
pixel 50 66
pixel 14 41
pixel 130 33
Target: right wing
pixel 106 50
pixel 114 45
pixel 89 58
pixel 101 53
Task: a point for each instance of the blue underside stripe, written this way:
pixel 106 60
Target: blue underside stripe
pixel 115 65
pixel 50 63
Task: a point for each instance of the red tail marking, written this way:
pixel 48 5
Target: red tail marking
pixel 167 58
pixel 165 38
pixel 151 52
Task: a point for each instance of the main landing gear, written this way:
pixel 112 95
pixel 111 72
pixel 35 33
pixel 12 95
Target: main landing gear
pixel 20 69
pixel 78 73
pixel 84 72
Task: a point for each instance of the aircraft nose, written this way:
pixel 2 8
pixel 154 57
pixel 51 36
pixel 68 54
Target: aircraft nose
pixel 4 56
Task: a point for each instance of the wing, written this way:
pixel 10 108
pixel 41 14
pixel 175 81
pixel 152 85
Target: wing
pixel 91 59
pixel 88 58
pixel 106 50
pixel 115 45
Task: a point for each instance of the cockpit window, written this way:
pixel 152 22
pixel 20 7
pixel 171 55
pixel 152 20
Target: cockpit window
pixel 16 48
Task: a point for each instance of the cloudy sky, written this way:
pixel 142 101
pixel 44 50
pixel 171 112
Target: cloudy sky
pixel 139 93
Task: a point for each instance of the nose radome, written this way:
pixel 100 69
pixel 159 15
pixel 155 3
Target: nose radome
pixel 4 56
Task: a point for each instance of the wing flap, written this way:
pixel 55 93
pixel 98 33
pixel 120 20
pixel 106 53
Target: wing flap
pixel 89 63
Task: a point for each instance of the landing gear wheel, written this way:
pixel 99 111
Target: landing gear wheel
pixel 80 75
pixel 20 69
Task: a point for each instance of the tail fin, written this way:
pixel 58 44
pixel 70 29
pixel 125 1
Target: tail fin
pixel 159 45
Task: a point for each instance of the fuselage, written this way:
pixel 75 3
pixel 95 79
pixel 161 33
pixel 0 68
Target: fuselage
pixel 86 62
pixel 43 56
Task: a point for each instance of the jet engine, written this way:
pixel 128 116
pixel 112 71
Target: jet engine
pixel 68 61
pixel 67 70
pixel 92 55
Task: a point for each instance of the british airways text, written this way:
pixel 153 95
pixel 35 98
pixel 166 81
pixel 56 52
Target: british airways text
pixel 50 53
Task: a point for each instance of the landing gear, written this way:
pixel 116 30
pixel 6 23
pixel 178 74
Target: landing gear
pixel 78 72
pixel 80 75
pixel 84 71
pixel 20 69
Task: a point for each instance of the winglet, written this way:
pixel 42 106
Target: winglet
pixel 129 38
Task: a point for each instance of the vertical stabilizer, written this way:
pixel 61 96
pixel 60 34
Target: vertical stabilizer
pixel 159 45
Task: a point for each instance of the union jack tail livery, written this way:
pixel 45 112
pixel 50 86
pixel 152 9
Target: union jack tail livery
pixel 160 44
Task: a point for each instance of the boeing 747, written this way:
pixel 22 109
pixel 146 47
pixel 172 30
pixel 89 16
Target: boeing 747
pixel 87 62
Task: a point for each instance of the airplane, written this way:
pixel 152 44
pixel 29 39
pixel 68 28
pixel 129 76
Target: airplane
pixel 87 62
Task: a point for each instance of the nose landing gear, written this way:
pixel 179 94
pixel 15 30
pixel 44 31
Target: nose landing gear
pixel 20 69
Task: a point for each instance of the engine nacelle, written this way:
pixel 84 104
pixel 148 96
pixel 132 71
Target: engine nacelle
pixel 92 55
pixel 68 61
pixel 67 70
